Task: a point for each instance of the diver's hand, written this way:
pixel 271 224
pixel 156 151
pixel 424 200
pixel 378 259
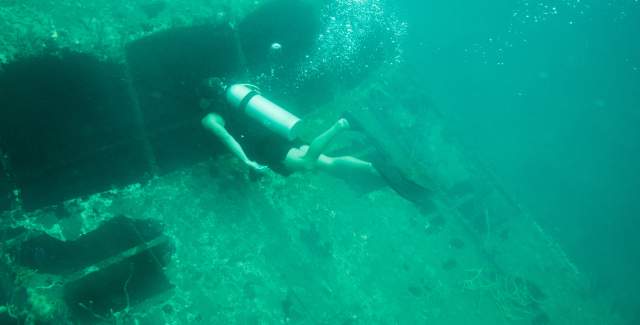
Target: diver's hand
pixel 257 167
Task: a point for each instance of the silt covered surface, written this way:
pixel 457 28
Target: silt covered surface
pixel 100 130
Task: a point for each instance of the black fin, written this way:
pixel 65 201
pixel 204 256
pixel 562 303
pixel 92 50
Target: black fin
pixel 403 185
pixel 382 161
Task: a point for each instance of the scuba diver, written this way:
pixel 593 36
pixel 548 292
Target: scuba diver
pixel 264 136
pixel 267 139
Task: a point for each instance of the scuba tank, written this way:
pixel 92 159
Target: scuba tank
pixel 248 99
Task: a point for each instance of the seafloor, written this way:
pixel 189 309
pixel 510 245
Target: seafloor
pixel 142 220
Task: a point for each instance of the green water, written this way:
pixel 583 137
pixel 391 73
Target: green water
pixel 484 119
pixel 548 94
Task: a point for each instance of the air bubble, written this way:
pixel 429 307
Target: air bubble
pixel 350 28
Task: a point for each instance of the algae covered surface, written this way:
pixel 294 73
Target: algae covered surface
pixel 117 207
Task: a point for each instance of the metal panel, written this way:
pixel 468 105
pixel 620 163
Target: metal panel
pixel 168 69
pixel 67 125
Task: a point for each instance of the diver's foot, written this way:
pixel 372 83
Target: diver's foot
pixel 352 121
pixel 342 124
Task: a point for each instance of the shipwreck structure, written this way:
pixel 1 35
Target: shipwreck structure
pixel 116 207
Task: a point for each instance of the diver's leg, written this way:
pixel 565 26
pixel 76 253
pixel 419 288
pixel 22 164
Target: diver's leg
pixel 320 143
pixel 345 164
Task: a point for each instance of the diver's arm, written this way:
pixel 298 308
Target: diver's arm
pixel 215 124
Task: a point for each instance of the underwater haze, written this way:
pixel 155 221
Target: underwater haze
pixel 547 93
pixel 319 162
